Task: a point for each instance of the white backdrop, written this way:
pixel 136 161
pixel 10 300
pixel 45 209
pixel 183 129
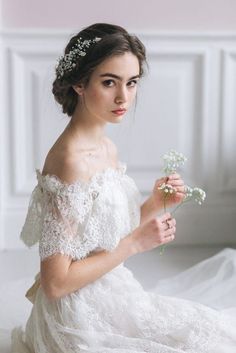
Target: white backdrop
pixel 197 15
pixel 186 102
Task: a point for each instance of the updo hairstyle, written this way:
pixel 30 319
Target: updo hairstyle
pixel 115 40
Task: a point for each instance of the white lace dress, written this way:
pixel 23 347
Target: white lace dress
pixel 114 313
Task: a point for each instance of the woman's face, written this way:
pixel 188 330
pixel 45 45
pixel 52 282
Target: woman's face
pixel 112 86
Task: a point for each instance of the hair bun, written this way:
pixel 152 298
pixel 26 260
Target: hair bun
pixel 65 95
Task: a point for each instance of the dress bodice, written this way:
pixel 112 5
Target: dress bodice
pixel 78 218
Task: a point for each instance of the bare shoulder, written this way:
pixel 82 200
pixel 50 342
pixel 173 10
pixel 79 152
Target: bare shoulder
pixel 67 166
pixel 71 164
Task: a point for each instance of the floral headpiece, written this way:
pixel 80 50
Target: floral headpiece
pixel 68 61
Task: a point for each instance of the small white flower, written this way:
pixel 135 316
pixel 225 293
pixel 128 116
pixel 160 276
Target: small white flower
pixel 167 189
pixel 68 61
pixel 199 195
pixel 195 194
pixel 173 160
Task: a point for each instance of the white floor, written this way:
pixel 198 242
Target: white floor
pixel 150 267
pixel 18 268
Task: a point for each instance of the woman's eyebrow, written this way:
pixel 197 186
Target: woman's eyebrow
pixel 118 77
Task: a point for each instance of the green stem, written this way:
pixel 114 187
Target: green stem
pixel 165 203
pixel 162 247
pixel 180 204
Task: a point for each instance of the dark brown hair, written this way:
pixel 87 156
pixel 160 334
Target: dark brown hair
pixel 115 40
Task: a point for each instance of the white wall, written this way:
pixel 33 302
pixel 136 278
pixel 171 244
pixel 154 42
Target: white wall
pixel 215 15
pixel 187 101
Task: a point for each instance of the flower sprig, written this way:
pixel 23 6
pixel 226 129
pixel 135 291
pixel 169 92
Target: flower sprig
pixel 195 194
pixel 172 161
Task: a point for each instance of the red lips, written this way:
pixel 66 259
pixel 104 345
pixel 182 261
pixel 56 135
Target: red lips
pixel 119 111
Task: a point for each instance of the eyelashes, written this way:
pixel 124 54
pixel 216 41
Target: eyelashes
pixel 107 83
pixel 110 83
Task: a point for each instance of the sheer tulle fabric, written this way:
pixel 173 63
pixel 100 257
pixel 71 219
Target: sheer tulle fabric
pixel 114 313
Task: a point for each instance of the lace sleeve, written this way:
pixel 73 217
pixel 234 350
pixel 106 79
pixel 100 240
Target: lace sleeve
pixel 33 225
pixel 76 219
pixel 56 218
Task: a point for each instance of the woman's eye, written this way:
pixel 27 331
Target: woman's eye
pixel 108 83
pixel 132 83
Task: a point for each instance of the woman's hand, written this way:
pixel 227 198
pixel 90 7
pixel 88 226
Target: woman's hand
pixel 160 198
pixel 156 232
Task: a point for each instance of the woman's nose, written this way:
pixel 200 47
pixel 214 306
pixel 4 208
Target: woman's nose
pixel 121 96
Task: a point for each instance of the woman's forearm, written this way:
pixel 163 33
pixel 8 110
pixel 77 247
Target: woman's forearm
pixel 85 271
pixel 149 210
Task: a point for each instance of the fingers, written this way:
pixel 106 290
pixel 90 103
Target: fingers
pixel 159 182
pixel 169 235
pixel 164 217
pixel 169 232
pixel 169 224
pixel 167 228
pixel 168 239
pixel 174 176
pixel 171 179
pixel 181 189
pixel 177 183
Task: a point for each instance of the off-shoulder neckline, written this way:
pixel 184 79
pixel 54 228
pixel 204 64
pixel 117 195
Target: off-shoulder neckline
pixel 120 169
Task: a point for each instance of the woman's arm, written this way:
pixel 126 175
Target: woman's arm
pixel 149 210
pixel 61 276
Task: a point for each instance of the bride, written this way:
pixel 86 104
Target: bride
pixel 86 214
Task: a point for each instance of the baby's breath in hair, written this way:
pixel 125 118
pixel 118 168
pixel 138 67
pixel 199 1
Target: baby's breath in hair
pixel 68 61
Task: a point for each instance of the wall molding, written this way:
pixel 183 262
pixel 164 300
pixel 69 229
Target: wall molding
pixel 157 34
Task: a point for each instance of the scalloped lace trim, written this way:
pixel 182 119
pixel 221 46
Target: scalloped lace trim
pixel 99 175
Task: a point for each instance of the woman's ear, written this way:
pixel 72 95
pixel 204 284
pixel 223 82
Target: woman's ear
pixel 79 88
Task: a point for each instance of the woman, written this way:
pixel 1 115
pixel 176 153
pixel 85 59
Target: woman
pixel 85 212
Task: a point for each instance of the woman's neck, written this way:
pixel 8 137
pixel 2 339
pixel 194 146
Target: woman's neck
pixel 85 127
